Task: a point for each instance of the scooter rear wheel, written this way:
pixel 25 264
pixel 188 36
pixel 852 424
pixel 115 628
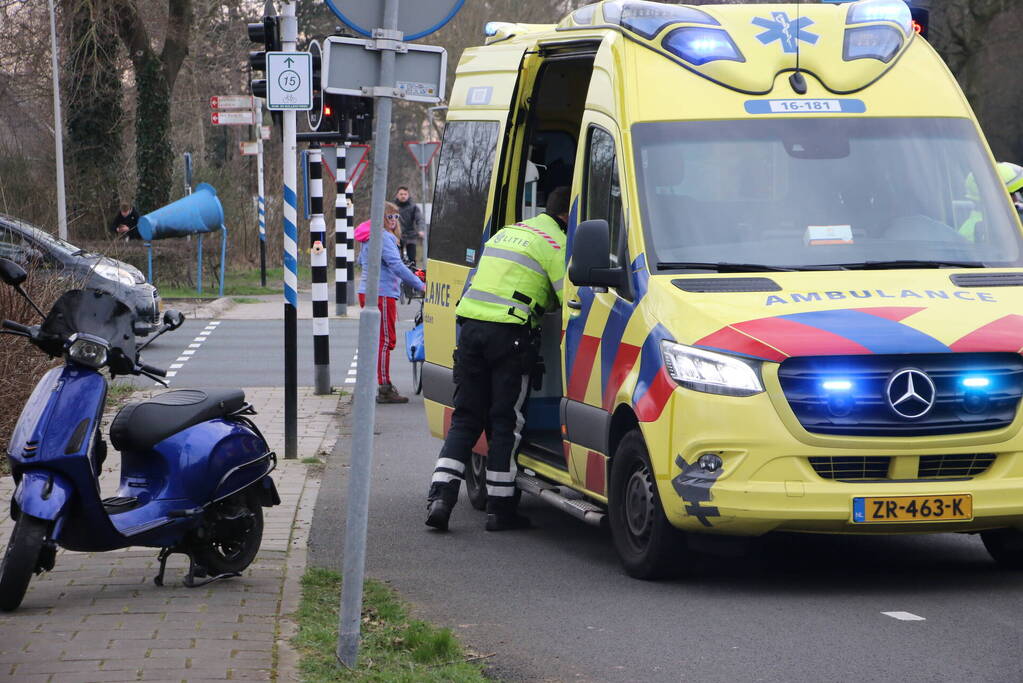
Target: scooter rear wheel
pixel 237 526
pixel 20 560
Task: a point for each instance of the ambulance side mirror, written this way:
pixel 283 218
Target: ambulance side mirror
pixel 591 257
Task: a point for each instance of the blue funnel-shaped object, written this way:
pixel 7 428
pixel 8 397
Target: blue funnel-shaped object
pixel 193 214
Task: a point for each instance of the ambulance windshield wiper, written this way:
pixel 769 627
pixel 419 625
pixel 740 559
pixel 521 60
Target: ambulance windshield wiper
pixel 910 263
pixel 740 267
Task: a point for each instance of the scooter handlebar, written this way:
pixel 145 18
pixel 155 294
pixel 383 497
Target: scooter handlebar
pixel 149 369
pixel 16 327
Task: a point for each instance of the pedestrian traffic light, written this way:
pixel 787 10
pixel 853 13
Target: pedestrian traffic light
pixel 268 33
pixel 315 116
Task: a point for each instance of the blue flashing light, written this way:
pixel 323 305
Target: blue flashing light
pixel 895 11
pixel 872 42
pixel 699 46
pixel 976 382
pixel 837 385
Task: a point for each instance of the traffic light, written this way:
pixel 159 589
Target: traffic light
pixel 268 33
pixel 921 19
pixel 315 116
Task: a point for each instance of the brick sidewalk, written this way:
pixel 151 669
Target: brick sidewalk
pixel 99 617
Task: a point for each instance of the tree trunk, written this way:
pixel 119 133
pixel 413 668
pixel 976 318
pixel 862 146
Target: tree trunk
pixel 154 83
pixel 92 93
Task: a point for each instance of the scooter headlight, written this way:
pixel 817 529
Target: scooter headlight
pixel 713 373
pixel 88 350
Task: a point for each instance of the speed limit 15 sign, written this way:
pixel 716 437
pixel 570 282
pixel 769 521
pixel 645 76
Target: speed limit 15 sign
pixel 289 80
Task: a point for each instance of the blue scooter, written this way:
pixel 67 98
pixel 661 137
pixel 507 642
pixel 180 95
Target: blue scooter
pixel 194 468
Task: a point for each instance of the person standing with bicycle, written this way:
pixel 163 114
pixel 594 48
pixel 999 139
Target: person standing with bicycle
pixel 392 273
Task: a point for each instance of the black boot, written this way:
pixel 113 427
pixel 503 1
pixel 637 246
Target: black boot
pixel 439 503
pixel 502 515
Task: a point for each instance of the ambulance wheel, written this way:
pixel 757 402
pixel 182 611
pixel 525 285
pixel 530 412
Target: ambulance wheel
pixel 1005 546
pixel 648 546
pixel 476 482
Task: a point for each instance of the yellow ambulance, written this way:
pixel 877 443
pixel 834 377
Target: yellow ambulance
pixel 794 299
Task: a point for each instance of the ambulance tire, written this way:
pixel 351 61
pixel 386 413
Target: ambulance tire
pixel 648 546
pixel 1005 547
pixel 476 482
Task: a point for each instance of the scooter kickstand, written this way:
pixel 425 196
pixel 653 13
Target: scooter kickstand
pixel 162 557
pixel 195 569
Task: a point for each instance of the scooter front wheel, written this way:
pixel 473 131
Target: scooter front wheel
pixel 20 560
pixel 236 526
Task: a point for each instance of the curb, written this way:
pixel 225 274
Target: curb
pixel 214 309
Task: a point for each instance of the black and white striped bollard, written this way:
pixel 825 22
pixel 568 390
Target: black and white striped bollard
pixel 341 254
pixel 318 266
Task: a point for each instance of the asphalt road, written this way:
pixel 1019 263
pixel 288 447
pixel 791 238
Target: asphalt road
pixel 244 353
pixel 552 603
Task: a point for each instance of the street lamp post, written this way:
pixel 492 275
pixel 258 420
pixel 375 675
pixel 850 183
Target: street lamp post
pixel 58 129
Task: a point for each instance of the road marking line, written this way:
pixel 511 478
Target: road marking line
pixel 171 373
pixel 349 380
pixel 175 366
pixel 214 322
pixel 194 346
pixel 904 616
pixel 351 372
pixel 182 359
pixel 188 352
pixel 200 339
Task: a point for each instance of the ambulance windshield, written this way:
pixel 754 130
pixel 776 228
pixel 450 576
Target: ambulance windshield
pixel 797 193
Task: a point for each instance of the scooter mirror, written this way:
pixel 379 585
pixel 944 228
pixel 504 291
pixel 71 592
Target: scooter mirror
pixel 173 319
pixel 12 273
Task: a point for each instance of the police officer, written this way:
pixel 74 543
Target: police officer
pixel 519 277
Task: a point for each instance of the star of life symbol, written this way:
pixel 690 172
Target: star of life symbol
pixel 788 32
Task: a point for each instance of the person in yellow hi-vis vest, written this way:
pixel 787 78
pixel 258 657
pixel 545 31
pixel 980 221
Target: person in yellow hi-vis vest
pixel 519 277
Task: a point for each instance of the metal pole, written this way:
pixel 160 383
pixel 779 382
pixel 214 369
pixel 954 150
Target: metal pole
pixel 426 224
pixel 318 268
pixel 58 129
pixel 261 202
pixel 289 35
pixel 223 257
pixel 341 221
pixel 198 267
pixel 354 560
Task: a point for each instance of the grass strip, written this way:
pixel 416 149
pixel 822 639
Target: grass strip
pixel 394 648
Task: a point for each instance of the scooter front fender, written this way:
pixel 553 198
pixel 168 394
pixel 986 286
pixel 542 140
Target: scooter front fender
pixel 42 494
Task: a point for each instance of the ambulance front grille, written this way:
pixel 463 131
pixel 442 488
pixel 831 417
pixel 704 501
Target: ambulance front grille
pixel 961 465
pixel 862 408
pixel 849 467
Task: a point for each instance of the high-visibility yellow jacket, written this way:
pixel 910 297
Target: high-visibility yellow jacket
pixel 520 274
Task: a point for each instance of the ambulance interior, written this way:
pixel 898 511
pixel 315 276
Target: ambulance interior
pixel 554 112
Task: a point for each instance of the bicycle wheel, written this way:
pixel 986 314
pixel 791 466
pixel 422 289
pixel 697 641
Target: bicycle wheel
pixel 417 376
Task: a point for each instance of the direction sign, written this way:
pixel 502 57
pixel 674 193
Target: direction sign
pixel 422 152
pixel 357 160
pixel 415 19
pixel 289 80
pixel 231 102
pixel 233 118
pixel 348 66
pixel 249 149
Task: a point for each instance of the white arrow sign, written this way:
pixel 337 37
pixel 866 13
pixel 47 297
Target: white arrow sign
pixel 233 118
pixel 231 102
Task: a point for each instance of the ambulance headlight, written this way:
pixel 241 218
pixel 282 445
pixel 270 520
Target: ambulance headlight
pixel 872 42
pixel 699 46
pixel 713 373
pixel 895 11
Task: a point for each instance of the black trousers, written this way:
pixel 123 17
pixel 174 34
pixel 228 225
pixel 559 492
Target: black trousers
pixel 410 249
pixel 492 368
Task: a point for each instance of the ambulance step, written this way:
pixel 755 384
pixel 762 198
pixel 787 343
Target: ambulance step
pixel 551 494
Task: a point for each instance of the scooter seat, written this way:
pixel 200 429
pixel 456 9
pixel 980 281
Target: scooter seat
pixel 141 425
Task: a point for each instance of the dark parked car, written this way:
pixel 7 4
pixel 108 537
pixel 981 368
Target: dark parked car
pixel 24 243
